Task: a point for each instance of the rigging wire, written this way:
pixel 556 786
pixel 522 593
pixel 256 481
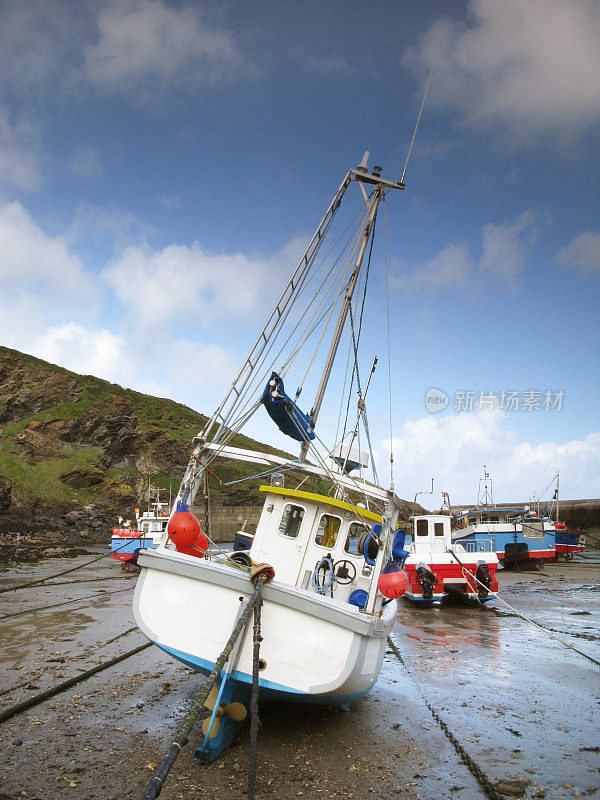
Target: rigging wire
pixel 412 141
pixel 252 384
pixel 389 348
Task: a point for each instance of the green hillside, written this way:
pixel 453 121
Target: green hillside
pixel 71 442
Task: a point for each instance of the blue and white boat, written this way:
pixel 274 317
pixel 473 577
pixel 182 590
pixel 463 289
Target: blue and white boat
pixel 126 542
pixel 518 535
pixel 324 619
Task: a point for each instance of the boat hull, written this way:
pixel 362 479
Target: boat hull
pixel 314 649
pixel 124 548
pixel 451 579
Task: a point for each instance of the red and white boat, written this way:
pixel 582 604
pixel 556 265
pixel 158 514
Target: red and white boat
pixel 126 542
pixel 438 568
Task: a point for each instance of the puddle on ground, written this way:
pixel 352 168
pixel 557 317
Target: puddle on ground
pixel 522 704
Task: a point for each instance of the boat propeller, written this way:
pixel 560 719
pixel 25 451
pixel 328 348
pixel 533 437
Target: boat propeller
pixel 237 711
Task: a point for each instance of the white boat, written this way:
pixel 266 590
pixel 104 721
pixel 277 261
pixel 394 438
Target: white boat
pixel 126 542
pixel 439 568
pixel 324 619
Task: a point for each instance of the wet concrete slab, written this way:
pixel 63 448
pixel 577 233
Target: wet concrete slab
pixel 523 705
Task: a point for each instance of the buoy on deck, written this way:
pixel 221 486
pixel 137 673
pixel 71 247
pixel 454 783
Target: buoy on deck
pixel 393 581
pixel 184 531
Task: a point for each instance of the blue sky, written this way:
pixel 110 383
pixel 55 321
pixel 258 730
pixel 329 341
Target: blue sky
pixel 162 163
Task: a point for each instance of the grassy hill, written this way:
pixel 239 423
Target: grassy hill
pixel 74 445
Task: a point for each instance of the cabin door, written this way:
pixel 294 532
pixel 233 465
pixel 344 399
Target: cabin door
pixel 285 541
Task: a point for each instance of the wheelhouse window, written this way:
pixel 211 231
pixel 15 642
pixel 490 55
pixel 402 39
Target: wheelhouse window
pixel 327 532
pixel 422 527
pixel 355 531
pixel 291 520
pixel 438 528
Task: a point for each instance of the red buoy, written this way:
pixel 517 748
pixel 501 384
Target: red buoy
pixel 184 531
pixel 393 581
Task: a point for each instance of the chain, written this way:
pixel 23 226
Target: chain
pixel 474 768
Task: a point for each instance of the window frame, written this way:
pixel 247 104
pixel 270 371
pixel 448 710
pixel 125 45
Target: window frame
pixel 337 536
pixel 285 535
pixel 365 528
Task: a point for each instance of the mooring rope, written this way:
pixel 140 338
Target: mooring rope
pixel 105 593
pixel 38 675
pixel 181 737
pixel 18 708
pixel 58 574
pixel 528 619
pixel 254 719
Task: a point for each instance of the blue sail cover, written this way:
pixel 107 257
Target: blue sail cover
pixel 285 413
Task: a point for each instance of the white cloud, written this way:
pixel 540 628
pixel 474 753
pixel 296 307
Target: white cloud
pixel 503 250
pixel 20 162
pixel 504 246
pixel 150 40
pixel 110 226
pixel 450 268
pixel 170 202
pixel 582 253
pixel 530 66
pixel 186 283
pixel 196 374
pixel 453 449
pixel 89 351
pixel 32 261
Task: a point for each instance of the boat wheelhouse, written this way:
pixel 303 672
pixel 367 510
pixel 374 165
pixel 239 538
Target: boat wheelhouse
pixel 438 568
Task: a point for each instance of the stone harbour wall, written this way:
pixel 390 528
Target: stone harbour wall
pixel 225 521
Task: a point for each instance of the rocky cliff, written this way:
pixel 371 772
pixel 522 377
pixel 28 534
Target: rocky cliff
pixel 76 451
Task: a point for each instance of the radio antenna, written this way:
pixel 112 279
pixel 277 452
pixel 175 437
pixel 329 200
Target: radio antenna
pixel 412 141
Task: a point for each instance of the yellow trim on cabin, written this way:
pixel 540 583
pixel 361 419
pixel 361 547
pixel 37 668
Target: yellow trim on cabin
pixel 321 498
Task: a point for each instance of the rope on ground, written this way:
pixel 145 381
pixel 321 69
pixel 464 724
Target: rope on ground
pixel 482 779
pixel 259 577
pixel 533 622
pixel 58 574
pixel 38 675
pixel 90 580
pixel 18 708
pixel 104 593
pixel 255 721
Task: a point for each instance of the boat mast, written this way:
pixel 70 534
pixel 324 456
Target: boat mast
pixel 220 419
pixel 360 174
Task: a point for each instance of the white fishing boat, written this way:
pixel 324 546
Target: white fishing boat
pixel 327 612
pixel 439 568
pixel 126 541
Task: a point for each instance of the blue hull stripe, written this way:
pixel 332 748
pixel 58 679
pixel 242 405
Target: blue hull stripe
pixel 268 689
pixel 129 545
